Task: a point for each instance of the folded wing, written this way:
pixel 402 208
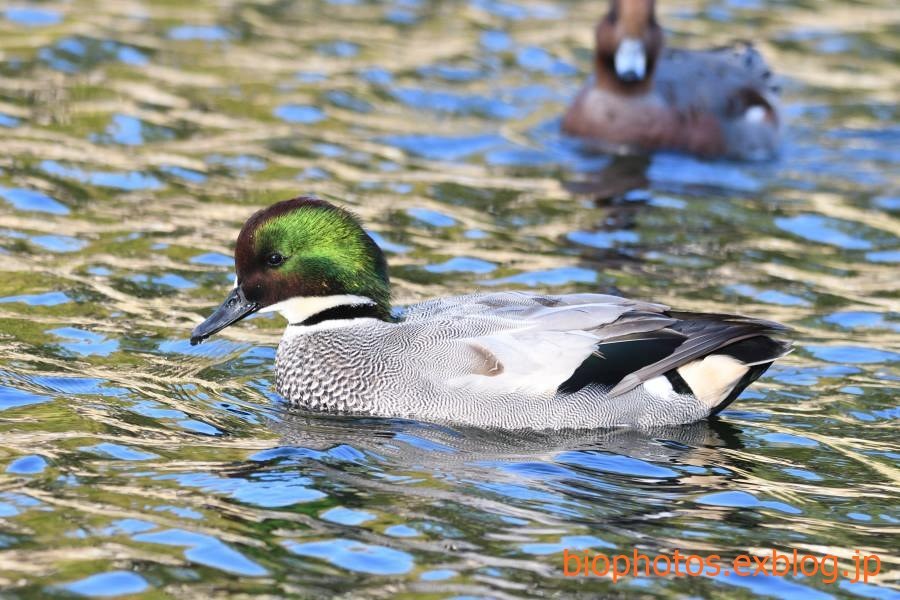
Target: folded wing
pixel 560 344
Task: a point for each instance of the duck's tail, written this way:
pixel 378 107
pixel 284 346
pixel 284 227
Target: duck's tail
pixel 711 357
pixel 718 379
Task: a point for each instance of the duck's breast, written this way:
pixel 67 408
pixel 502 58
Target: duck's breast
pixel 620 123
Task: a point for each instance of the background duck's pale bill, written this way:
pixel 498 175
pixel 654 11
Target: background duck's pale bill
pixel 631 60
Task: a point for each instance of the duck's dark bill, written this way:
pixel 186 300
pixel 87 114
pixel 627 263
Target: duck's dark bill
pixel 235 308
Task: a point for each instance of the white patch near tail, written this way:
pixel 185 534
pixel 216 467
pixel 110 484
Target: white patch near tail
pixel 712 378
pixel 755 114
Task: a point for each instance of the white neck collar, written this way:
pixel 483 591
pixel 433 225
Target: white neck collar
pixel 299 308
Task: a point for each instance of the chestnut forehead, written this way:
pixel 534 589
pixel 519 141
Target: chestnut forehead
pixel 634 14
pixel 244 252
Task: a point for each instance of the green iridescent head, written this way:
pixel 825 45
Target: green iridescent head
pixel 303 256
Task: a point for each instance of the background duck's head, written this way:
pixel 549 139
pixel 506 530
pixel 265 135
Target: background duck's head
pixel 308 260
pixel 628 42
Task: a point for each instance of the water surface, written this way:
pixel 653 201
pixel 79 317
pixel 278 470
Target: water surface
pixel 136 137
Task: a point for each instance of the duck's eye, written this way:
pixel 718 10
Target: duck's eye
pixel 275 259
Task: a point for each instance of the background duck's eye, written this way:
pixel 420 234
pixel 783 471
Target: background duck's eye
pixel 274 259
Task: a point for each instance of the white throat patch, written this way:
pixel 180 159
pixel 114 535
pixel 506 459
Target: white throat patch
pixel 300 308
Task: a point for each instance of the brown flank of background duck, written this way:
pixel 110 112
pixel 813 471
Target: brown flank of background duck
pixel 644 97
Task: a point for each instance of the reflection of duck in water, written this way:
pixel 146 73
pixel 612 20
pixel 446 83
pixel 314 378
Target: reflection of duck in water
pixel 501 359
pixel 618 473
pixel 411 443
pixel 714 103
pixel 621 175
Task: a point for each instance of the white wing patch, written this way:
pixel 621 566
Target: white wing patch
pixel 527 360
pixel 538 341
pixel 755 114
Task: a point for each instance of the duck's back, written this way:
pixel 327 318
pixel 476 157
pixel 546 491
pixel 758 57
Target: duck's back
pixel 713 80
pixel 732 83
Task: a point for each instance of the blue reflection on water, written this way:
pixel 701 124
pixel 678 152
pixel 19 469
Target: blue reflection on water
pixel 615 463
pixel 44 299
pixel 59 243
pixel 299 113
pixel 802 474
pixel 13 504
pixel 401 531
pixel 685 170
pixel 241 163
pixel 861 319
pixel 738 499
pixel 445 148
pixel 213 259
pixel 604 239
pixel 496 41
pixel 432 217
pixel 767 296
pixel 767 585
pixel 11 397
pixel 127 527
pixel 535 58
pixel 86 343
pixel 339 48
pixel 787 438
pixel 825 230
pixel 269 490
pixel 32 16
pixel 206 33
pixel 455 103
pixel 438 575
pixel 886 256
pixel 27 465
pixel 128 180
pixel 852 354
pixel 113 583
pixel 355 556
pixel 463 264
pixel 347 516
pixel 568 542
pixel 387 245
pixel 119 451
pixel 205 550
pixel 32 200
pixel 550 277
pixel 185 174
pixel 8 121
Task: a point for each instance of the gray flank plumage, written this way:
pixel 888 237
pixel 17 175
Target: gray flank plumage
pixel 501 359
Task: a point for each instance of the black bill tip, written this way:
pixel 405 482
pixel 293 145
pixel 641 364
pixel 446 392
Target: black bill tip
pixel 233 309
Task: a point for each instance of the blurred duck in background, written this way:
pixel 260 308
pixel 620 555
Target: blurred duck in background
pixel 717 103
